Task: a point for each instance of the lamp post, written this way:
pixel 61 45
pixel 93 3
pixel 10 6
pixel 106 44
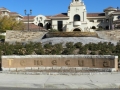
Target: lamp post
pixel 28 16
pixel 39 25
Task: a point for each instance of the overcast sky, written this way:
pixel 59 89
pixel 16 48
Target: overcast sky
pixel 52 7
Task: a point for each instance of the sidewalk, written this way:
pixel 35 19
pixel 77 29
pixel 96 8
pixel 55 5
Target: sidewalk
pixel 61 81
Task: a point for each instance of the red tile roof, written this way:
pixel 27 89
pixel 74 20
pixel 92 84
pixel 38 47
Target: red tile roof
pixel 95 14
pixel 13 13
pixel 48 17
pixel 3 8
pixel 61 15
pixel 30 17
pixel 31 26
pixel 118 11
pixel 110 8
pixel 88 15
pixel 117 21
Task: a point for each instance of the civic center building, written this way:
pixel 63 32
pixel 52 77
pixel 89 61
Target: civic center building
pixel 76 19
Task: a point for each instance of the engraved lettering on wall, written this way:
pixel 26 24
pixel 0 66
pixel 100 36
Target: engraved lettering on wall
pixel 22 62
pixel 67 62
pixel 38 62
pixel 10 61
pixel 54 62
pixel 93 62
pixel 106 63
pixel 80 62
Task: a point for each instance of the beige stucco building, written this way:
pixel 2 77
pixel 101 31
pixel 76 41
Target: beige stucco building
pixel 76 19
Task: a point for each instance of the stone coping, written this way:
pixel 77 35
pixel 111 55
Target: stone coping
pixel 59 56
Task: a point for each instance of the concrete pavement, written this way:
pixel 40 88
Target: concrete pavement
pixel 2 88
pixel 96 81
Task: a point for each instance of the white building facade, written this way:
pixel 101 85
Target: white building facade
pixel 76 19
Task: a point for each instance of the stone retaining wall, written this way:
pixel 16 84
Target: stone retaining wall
pixel 24 36
pixel 57 62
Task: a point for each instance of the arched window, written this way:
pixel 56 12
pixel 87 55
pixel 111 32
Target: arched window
pixel 93 27
pixel 76 17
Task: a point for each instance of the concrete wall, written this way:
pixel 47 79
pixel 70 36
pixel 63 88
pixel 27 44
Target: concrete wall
pixel 35 61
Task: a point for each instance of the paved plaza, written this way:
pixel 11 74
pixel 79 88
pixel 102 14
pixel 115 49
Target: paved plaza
pixel 93 81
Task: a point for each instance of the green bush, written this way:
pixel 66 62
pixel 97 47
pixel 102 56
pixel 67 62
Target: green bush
pixel 2 37
pixel 57 49
pixel 70 45
pixel 53 30
pixel 78 45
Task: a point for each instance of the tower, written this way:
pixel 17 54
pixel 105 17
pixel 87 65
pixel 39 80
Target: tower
pixel 77 8
pixel 76 1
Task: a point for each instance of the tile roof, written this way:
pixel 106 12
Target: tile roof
pixel 118 11
pixel 13 12
pixel 88 15
pixel 3 8
pixel 48 17
pixel 26 20
pixel 30 17
pixel 61 15
pixel 95 14
pixel 31 26
pixel 117 21
pixel 110 8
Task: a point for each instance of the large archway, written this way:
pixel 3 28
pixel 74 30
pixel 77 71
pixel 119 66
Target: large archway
pixel 93 27
pixel 40 24
pixel 76 17
pixel 48 26
pixel 77 29
pixel 107 27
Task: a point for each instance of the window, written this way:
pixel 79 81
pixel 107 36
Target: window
pixel 99 20
pixel 60 25
pixel 118 17
pixel 76 17
pixel 107 20
pixel 91 20
pixel 3 12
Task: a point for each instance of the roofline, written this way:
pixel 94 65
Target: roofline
pixel 57 17
pixel 47 19
pixel 5 10
pixel 97 17
pixel 110 10
pixel 115 13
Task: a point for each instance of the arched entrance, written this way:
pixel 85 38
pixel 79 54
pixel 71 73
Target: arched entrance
pixel 48 26
pixel 77 29
pixel 93 27
pixel 107 27
pixel 40 24
pixel 76 17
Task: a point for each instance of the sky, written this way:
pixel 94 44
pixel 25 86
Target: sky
pixel 53 7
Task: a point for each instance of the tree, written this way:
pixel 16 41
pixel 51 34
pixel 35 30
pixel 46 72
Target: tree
pixel 10 23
